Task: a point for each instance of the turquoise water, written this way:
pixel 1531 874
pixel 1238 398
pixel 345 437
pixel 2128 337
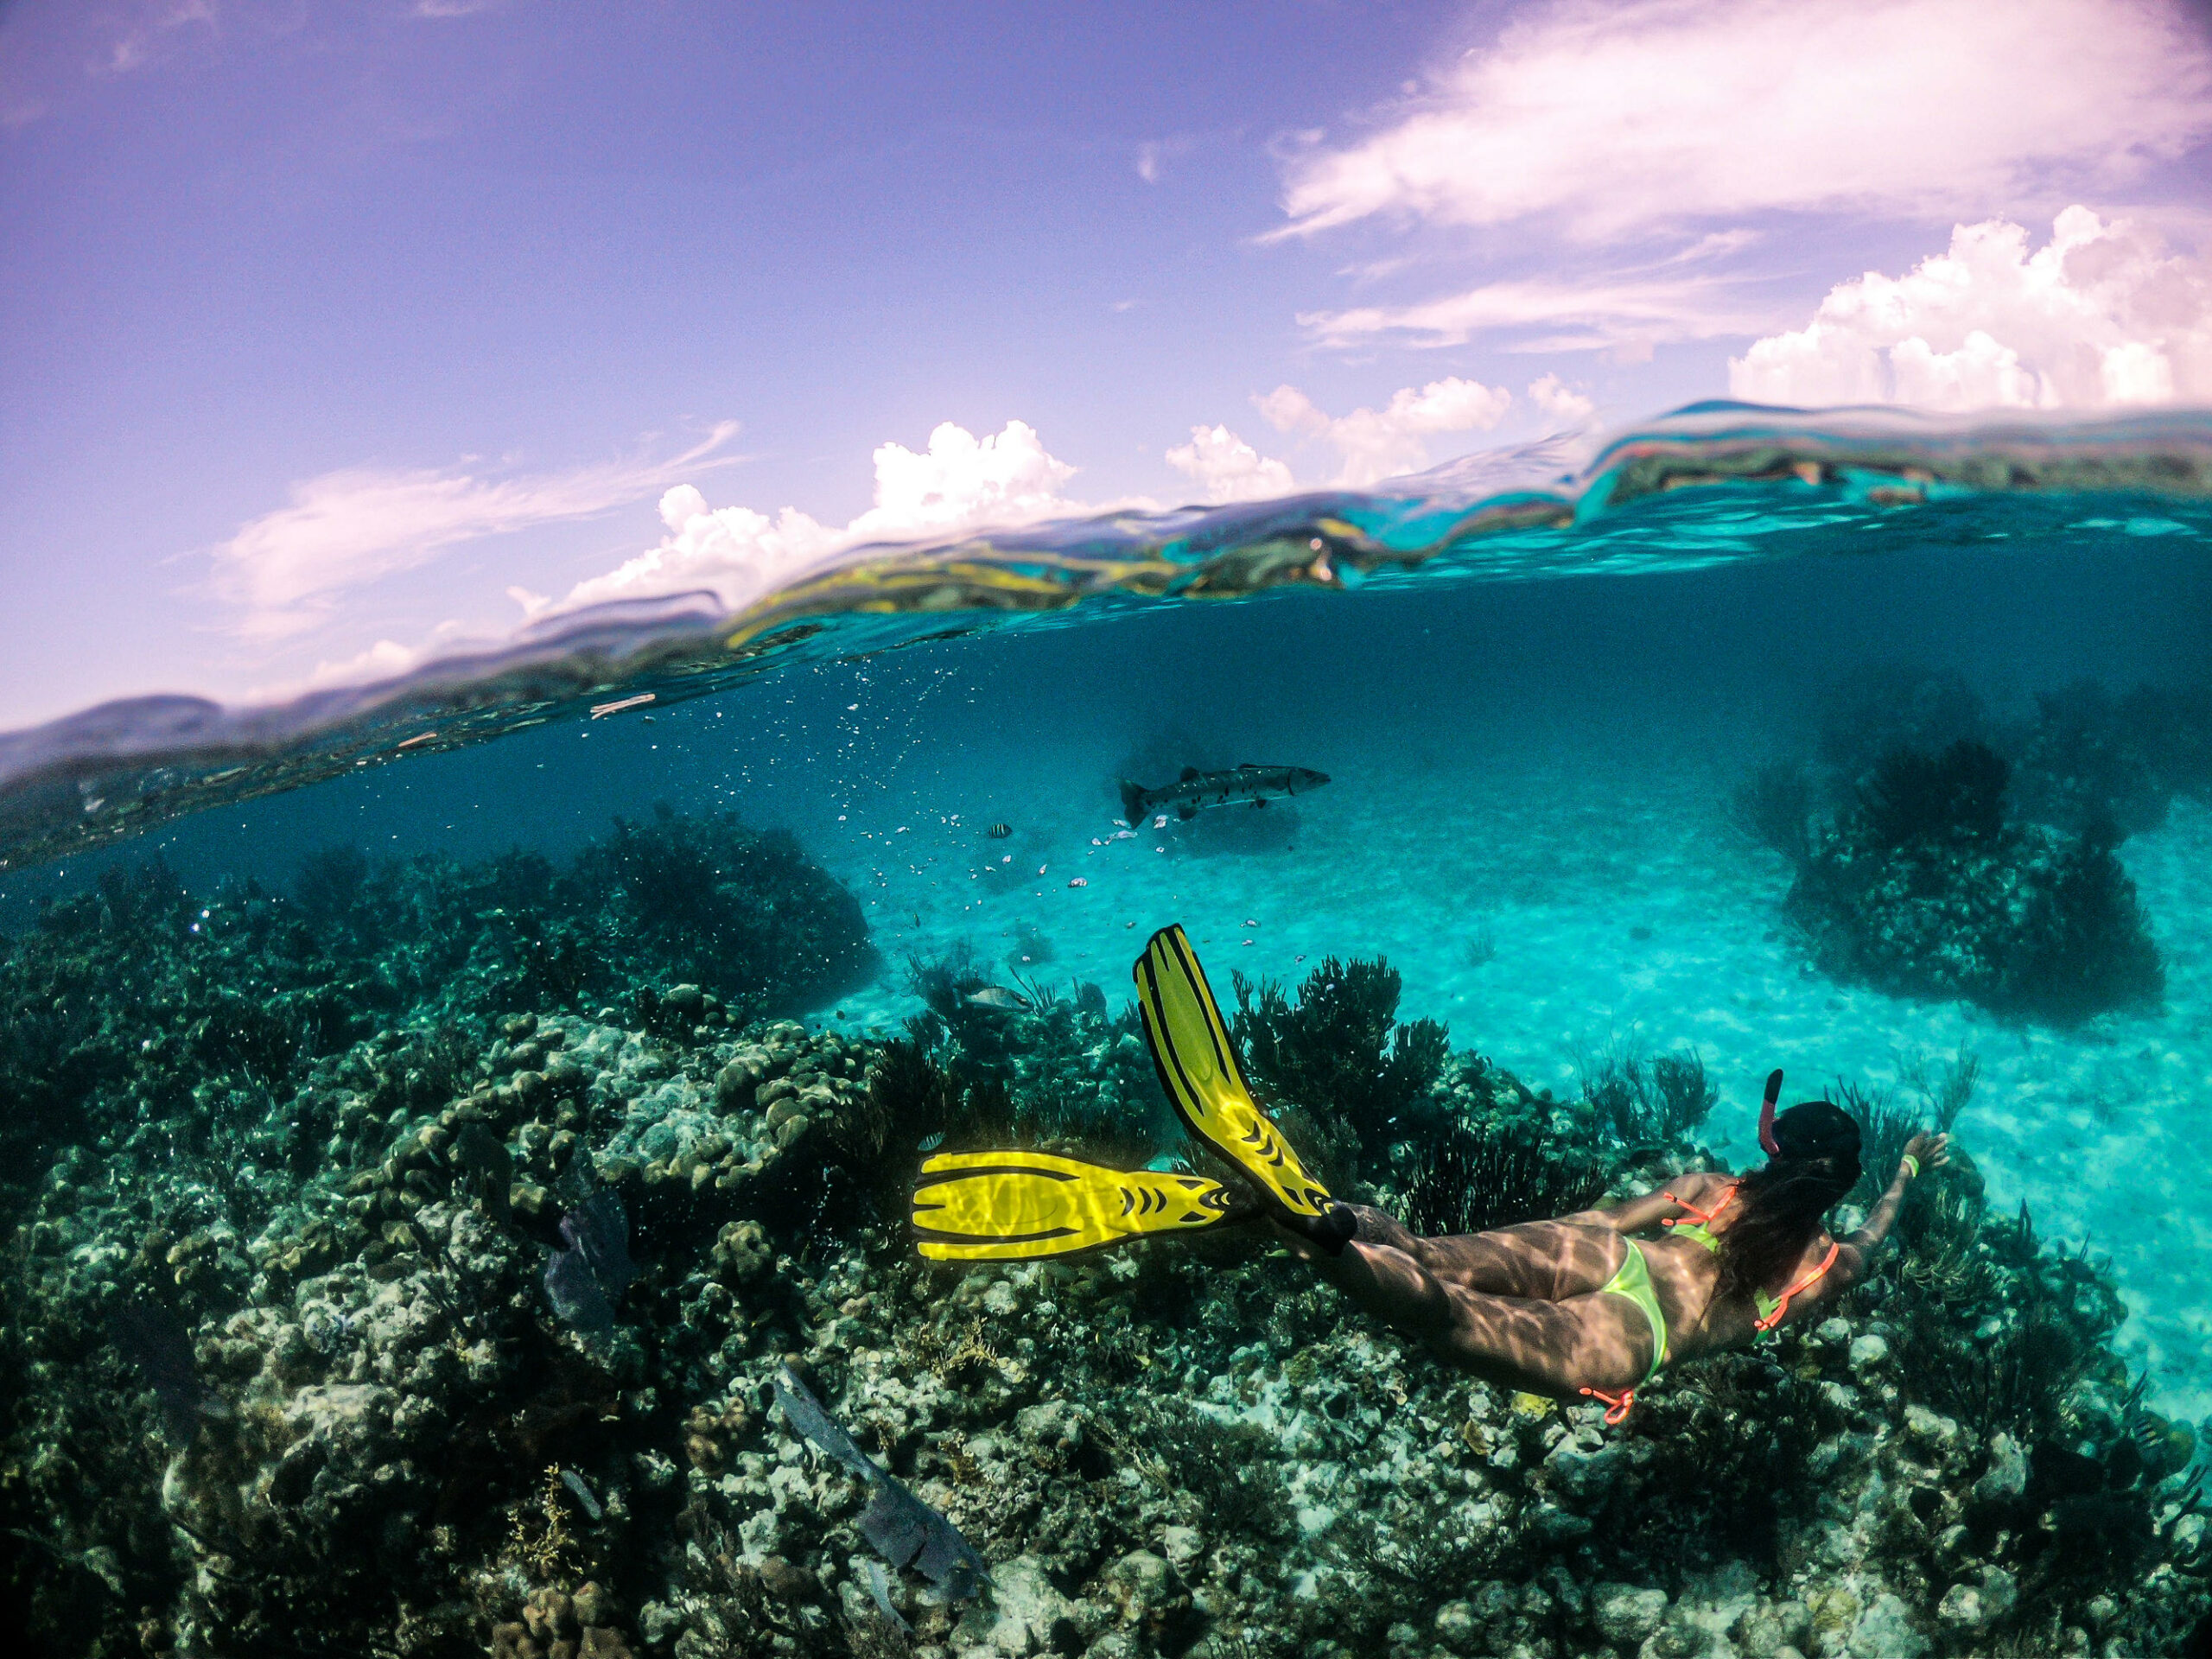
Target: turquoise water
pixel 1538 699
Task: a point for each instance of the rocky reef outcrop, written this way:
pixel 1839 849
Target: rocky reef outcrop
pixel 1917 881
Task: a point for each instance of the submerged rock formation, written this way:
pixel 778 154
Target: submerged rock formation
pixel 1919 883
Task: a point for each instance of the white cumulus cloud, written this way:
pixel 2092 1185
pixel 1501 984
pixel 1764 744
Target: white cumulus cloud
pixel 1562 404
pixel 1226 468
pixel 386 659
pixel 2102 315
pixel 142 36
pixel 960 483
pixel 1614 117
pixel 1373 444
pixel 1610 311
pixel 285 570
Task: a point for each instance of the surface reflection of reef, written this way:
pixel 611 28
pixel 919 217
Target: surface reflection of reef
pixel 281 1118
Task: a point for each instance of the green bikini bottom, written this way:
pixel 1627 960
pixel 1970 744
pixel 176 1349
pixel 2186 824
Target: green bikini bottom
pixel 1633 1283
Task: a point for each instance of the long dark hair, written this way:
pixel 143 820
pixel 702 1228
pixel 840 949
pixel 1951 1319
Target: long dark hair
pixel 1783 1204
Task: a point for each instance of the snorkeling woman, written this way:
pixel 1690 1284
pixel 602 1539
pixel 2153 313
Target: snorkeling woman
pixel 1578 1306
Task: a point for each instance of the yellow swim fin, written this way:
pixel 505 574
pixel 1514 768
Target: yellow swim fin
pixel 1198 1066
pixel 1010 1206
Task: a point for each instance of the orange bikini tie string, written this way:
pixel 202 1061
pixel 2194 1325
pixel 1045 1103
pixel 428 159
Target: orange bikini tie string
pixel 1782 1306
pixel 1702 1217
pixel 1616 1405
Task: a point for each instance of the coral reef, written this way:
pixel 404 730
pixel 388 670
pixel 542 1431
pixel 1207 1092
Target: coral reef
pixel 1774 806
pixel 126 999
pixel 1337 1052
pixel 1880 708
pixel 1886 1125
pixel 1466 1181
pixel 1920 883
pixel 2089 757
pixel 1051 1069
pixel 384 1437
pixel 1648 1100
pixel 1390 1115
pixel 1914 799
pixel 707 902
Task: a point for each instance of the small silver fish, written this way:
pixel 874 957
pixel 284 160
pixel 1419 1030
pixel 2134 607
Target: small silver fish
pixel 996 996
pixel 600 710
pixel 575 1483
pixel 878 1585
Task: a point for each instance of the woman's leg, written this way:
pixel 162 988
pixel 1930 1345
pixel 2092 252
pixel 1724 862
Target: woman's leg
pixel 1547 1347
pixel 1537 1261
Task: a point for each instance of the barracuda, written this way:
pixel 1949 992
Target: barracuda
pixel 1195 789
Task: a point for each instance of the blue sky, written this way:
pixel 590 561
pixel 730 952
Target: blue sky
pixel 330 333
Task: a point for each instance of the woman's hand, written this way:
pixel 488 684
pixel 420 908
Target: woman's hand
pixel 1929 1151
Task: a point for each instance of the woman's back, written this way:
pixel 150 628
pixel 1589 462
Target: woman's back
pixel 1685 1270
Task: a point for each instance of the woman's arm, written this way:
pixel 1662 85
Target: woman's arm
pixel 1642 1215
pixel 1922 1153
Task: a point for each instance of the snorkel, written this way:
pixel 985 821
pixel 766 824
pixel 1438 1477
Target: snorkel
pixel 1767 1143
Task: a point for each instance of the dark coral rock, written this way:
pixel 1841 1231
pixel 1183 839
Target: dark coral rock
pixel 1912 799
pixel 155 1341
pixel 1921 888
pixel 2085 942
pixel 707 902
pixel 1062 1071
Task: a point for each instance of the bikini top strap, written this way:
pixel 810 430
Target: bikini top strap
pixel 1702 1217
pixel 1768 1321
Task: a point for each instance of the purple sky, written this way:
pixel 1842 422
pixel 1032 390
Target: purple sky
pixel 332 331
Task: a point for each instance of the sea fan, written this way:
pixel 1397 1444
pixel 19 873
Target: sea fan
pixel 1465 1182
pixel 1914 799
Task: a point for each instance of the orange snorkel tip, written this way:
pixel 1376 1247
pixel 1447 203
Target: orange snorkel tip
pixel 1766 1113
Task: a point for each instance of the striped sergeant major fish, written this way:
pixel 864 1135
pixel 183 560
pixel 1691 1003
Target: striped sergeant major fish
pixel 1195 789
